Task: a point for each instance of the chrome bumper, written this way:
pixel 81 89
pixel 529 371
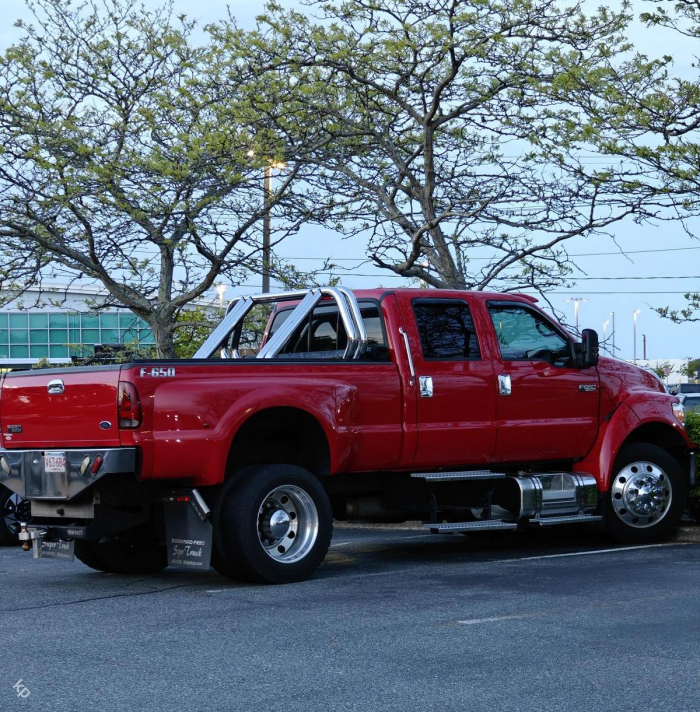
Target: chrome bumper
pixel 23 472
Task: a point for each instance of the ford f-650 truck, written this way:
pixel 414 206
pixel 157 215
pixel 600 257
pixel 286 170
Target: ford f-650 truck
pixel 471 411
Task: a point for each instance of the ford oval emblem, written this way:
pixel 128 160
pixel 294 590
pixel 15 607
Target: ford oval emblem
pixel 105 425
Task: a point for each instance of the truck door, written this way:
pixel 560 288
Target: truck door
pixel 456 383
pixel 547 408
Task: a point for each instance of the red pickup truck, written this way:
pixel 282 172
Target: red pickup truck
pixel 471 411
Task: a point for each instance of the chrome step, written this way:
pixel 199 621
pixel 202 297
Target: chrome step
pixel 574 519
pixel 469 526
pixel 467 475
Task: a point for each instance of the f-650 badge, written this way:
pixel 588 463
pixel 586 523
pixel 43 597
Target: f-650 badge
pixel 588 387
pixel 158 372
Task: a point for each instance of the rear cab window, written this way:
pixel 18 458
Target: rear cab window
pixel 322 335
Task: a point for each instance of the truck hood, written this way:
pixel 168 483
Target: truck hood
pixel 621 379
pixel 84 414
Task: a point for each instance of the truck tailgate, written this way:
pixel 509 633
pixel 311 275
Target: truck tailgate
pixel 83 414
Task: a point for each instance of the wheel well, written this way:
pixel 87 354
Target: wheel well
pixel 665 437
pixel 280 435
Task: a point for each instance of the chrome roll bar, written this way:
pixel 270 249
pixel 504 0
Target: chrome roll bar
pixel 348 309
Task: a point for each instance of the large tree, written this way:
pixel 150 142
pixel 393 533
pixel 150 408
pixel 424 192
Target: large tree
pixel 438 133
pixel 676 156
pixel 644 114
pixel 130 154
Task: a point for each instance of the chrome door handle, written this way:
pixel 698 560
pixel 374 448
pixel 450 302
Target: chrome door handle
pixel 55 387
pixel 410 357
pixel 505 387
pixel 426 386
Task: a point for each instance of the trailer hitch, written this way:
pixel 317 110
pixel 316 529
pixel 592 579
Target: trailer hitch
pixel 28 536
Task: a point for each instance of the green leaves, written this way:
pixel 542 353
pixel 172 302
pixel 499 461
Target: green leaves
pixel 125 143
pixel 438 125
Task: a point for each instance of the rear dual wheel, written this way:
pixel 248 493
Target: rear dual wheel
pixel 272 524
pixel 647 495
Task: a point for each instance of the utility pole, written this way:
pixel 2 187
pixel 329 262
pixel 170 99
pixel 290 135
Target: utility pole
pixel 644 341
pixel 634 350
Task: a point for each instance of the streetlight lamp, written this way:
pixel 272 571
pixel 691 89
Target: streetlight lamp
pixel 577 301
pixel 605 326
pixel 637 311
pixel 612 314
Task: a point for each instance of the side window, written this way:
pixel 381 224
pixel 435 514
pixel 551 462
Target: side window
pixel 525 335
pixel 446 329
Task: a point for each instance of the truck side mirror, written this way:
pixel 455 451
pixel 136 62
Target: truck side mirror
pixel 590 351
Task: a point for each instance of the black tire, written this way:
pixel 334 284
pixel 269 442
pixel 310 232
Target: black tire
pixel 13 510
pixel 242 521
pixel 86 554
pixel 634 524
pixel 122 557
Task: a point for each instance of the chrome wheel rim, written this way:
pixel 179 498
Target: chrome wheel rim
pixel 287 524
pixel 17 511
pixel 641 494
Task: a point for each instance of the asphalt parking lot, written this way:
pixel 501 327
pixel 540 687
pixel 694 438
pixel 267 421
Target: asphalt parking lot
pixel 394 620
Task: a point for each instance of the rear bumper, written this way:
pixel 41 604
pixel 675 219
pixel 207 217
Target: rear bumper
pixel 23 471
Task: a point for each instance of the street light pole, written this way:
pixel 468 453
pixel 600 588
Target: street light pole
pixel 637 311
pixel 220 291
pixel 612 314
pixel 267 229
pixel 577 301
pixel 605 326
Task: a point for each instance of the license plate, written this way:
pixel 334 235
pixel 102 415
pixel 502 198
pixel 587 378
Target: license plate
pixel 54 462
pixel 61 550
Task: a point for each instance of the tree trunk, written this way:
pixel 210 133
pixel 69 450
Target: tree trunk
pixel 163 335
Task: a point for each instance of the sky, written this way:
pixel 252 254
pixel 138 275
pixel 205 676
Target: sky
pixel 660 263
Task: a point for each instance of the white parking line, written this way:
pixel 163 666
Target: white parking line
pixel 496 619
pixel 478 562
pixel 594 551
pixel 379 541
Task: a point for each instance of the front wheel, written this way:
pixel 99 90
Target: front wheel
pixel 273 524
pixel 647 495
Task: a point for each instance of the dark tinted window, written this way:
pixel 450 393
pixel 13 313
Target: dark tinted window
pixel 525 335
pixel 279 319
pixel 323 333
pixel 446 329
